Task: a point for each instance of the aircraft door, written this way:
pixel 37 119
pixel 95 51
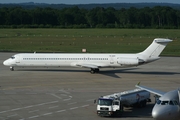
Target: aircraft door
pixel 17 58
pixel 112 57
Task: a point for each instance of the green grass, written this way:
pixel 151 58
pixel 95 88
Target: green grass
pixel 94 40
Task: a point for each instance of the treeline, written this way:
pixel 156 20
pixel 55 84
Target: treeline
pixel 99 17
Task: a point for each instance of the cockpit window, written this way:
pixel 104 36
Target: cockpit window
pixel 171 103
pixel 164 102
pixel 175 102
pixel 12 57
pixel 167 102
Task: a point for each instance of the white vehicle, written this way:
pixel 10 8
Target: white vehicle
pixel 113 104
pixel 92 61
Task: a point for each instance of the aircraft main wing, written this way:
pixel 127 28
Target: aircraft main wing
pixel 87 66
pixel 154 91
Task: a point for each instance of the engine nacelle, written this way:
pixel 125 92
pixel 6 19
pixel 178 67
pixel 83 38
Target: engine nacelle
pixel 130 61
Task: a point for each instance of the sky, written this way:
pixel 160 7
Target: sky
pixel 88 1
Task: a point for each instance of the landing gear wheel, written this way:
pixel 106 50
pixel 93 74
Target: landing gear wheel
pixel 12 68
pixel 94 71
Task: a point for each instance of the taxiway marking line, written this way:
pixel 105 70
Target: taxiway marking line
pixel 12 115
pixel 60 111
pixel 70 97
pixel 73 108
pixel 71 103
pixel 33 111
pixel 28 106
pixel 56 96
pixel 31 93
pixel 15 109
pixel 64 91
pixel 85 106
pixel 33 117
pixel 48 113
pixel 53 107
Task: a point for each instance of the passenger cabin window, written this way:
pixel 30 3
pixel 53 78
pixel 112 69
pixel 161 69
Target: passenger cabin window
pixel 62 58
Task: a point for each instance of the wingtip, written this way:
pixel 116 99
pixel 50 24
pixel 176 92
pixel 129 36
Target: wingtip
pixel 138 84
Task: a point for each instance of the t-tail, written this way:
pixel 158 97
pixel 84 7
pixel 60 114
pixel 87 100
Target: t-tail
pixel 154 50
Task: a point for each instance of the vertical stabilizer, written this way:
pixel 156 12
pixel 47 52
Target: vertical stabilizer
pixel 156 47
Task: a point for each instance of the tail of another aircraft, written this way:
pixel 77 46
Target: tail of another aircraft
pixel 155 49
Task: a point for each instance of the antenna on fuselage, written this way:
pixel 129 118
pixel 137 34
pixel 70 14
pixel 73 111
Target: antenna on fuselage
pixel 34 52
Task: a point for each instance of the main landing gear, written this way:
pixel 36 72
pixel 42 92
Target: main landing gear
pixel 94 70
pixel 12 68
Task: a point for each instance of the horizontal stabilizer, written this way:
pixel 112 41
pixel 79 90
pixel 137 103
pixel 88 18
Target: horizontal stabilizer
pixel 162 40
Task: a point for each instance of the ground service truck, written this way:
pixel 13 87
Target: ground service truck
pixel 113 104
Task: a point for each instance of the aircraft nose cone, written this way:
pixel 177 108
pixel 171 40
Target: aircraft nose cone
pixel 158 115
pixel 155 115
pixel 6 63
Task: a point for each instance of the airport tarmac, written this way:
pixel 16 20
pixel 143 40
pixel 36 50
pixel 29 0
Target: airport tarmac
pixel 69 93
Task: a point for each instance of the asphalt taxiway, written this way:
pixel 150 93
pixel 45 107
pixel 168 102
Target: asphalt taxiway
pixel 69 93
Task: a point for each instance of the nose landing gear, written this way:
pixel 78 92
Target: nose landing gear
pixel 12 68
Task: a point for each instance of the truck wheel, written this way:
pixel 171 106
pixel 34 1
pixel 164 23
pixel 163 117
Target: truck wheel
pixel 141 104
pixel 144 103
pixel 118 113
pixel 121 108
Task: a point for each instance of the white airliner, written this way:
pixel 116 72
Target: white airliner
pixel 167 106
pixel 86 60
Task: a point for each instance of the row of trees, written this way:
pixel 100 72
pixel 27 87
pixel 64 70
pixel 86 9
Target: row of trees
pixel 156 17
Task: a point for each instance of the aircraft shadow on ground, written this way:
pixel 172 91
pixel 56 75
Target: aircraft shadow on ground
pixel 137 112
pixel 138 71
pixel 110 73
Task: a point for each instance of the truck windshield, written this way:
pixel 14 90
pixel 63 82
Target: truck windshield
pixel 107 102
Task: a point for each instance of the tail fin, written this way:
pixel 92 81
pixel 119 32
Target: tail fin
pixel 156 47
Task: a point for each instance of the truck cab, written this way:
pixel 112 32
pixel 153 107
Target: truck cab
pixel 107 106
